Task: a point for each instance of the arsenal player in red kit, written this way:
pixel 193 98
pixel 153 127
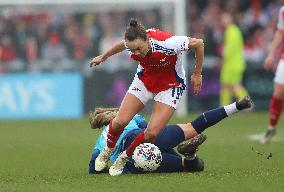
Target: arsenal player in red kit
pixel 277 100
pixel 160 76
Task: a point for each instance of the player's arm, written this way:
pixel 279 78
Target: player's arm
pixel 268 63
pixel 198 46
pixel 196 77
pixel 119 47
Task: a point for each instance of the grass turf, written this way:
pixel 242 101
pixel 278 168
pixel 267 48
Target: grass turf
pixel 53 156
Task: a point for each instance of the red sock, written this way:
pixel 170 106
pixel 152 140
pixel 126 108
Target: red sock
pixel 275 109
pixel 137 141
pixel 112 136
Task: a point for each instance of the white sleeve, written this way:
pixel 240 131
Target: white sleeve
pixel 177 43
pixel 280 24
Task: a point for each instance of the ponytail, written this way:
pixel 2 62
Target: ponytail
pixel 135 30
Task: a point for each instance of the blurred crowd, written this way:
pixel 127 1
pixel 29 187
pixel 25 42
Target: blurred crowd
pixel 56 41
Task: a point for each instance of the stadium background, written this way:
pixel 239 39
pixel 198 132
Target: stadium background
pixel 45 50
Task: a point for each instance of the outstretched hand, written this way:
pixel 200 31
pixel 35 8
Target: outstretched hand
pixel 196 81
pixel 97 60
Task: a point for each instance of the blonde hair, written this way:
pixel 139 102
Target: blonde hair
pixel 101 117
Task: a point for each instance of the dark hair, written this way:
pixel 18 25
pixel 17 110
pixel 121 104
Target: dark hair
pixel 135 30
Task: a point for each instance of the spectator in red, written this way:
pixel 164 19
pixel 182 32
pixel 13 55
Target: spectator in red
pixel 31 52
pixel 7 54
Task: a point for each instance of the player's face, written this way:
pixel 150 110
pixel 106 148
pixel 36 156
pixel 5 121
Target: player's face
pixel 139 47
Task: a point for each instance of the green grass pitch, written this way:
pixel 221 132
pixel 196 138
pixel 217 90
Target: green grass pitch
pixel 53 156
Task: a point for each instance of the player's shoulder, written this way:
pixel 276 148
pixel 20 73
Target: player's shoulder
pixel 281 14
pixel 158 34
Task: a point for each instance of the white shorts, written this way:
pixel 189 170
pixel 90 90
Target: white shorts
pixel 279 75
pixel 169 97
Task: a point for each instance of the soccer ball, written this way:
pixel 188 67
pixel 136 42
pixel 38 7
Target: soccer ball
pixel 147 156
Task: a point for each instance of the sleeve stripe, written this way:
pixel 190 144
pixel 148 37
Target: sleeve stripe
pixel 164 49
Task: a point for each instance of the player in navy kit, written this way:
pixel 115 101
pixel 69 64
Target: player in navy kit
pixel 169 137
pixel 160 76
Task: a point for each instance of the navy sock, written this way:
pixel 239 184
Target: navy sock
pixel 170 163
pixel 169 137
pixel 208 119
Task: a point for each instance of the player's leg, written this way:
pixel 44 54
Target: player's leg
pixel 133 102
pixel 173 135
pixel 168 138
pixel 161 114
pixel 276 103
pixel 163 109
pixel 130 106
pixel 210 118
pixel 173 162
pixel 275 110
pixel 170 163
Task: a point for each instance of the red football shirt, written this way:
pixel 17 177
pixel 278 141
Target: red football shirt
pixel 163 69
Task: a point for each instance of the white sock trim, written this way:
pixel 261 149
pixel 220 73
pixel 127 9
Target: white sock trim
pixel 230 109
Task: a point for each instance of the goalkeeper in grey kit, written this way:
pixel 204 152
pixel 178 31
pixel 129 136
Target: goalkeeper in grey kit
pixel 186 137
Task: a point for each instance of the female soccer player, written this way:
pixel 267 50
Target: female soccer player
pixel 167 139
pixel 277 100
pixel 160 76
